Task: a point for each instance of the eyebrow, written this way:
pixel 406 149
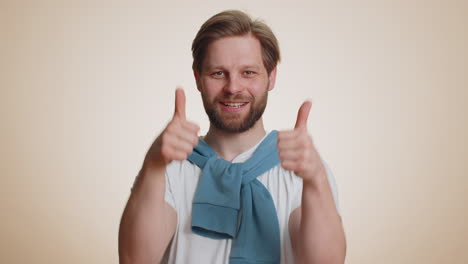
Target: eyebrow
pixel 248 66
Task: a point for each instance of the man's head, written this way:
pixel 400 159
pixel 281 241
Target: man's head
pixel 235 23
pixel 234 62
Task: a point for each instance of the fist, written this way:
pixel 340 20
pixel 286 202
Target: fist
pixel 177 140
pixel 296 149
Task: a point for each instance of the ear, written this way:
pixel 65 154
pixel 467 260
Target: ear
pixel 272 79
pixel 197 80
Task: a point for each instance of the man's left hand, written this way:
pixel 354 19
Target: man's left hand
pixel 297 151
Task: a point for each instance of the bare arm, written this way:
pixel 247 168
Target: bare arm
pixel 316 229
pixel 148 222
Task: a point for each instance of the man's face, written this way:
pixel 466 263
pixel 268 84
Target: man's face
pixel 234 83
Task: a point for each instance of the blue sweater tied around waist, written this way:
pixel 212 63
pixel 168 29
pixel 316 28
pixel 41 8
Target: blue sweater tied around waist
pixel 231 203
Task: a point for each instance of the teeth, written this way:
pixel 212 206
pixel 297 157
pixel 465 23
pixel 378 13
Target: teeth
pixel 235 105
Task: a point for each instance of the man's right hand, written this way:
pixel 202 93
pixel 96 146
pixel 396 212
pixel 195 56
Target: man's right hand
pixel 176 141
pixel 149 222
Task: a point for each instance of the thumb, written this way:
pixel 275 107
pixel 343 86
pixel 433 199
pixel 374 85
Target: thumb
pixel 302 115
pixel 179 103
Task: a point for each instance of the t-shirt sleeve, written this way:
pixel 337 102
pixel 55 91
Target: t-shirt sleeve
pixel 169 192
pixel 333 186
pixel 297 193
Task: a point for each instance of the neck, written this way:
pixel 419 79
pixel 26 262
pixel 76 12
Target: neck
pixel 229 145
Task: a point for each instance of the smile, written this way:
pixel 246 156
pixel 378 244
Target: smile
pixel 234 105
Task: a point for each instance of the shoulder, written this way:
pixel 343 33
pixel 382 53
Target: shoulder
pixel 181 182
pixel 284 186
pixel 182 173
pixel 282 176
pixel 180 167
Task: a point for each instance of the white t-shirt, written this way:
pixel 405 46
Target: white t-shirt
pixel 181 183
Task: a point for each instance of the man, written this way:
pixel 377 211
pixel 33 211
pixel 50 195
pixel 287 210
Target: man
pixel 238 194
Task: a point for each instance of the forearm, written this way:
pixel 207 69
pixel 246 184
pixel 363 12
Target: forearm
pixel 147 221
pixel 321 234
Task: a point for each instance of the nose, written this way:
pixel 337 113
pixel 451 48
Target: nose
pixel 233 85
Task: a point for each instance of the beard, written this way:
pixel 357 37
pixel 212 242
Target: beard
pixel 234 122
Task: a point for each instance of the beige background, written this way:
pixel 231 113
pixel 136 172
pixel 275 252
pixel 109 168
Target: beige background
pixel 86 87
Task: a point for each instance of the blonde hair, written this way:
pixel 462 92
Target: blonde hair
pixel 235 23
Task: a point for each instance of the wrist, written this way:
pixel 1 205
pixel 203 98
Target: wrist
pixel 317 181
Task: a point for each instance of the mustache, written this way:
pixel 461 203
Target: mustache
pixel 234 98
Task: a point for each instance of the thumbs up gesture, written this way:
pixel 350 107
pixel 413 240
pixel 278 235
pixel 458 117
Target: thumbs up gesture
pixel 177 140
pixel 296 149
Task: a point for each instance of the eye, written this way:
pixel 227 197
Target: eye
pixel 249 73
pixel 217 74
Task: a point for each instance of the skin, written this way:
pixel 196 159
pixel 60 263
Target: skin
pixel 232 71
pixel 233 68
pixel 148 221
pixel 316 230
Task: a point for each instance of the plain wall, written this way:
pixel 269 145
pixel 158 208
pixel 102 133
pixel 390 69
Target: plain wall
pixel 86 86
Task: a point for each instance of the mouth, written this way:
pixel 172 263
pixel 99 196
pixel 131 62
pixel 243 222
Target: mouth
pixel 233 107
